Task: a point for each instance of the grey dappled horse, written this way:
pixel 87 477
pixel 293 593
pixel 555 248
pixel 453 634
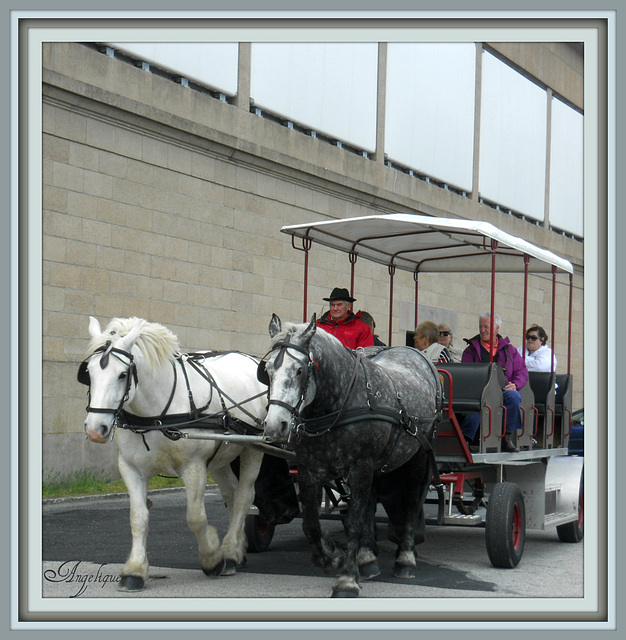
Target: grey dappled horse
pixel 352 417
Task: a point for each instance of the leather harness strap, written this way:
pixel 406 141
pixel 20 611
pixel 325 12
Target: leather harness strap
pixel 170 424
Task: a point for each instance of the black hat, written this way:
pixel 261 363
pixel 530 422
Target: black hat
pixel 340 294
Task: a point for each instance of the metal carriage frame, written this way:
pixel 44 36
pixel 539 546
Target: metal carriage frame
pixel 538 487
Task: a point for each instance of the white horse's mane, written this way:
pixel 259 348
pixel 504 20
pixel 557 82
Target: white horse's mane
pixel 156 342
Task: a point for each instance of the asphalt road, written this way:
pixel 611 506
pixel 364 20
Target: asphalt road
pixel 85 542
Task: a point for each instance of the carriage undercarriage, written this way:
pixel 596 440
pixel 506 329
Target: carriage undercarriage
pixel 505 493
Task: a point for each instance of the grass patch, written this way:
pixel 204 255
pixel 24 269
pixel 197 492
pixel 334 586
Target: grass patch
pixel 87 483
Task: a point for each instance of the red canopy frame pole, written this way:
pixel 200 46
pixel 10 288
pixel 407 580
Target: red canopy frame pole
pixel 569 324
pixel 494 248
pixel 392 271
pixel 353 256
pixel 524 321
pixel 306 246
pixel 416 279
pixel 306 285
pixel 553 315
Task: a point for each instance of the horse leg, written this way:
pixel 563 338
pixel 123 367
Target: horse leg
pixel 234 543
pixel 346 585
pixel 194 477
pixel 324 552
pixel 227 482
pixel 416 479
pixel 368 549
pixel 135 572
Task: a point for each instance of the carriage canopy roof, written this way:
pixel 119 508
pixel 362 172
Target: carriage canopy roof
pixel 420 243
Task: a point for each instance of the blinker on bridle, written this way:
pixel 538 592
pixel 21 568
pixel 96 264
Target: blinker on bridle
pixel 107 350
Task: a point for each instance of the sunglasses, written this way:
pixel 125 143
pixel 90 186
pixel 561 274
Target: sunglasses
pixel 444 333
pixel 533 338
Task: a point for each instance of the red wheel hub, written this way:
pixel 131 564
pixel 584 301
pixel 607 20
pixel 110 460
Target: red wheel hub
pixel 517 527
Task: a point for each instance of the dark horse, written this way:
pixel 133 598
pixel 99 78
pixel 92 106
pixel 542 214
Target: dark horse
pixel 353 418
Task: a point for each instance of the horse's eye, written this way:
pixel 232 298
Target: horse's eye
pixel 123 375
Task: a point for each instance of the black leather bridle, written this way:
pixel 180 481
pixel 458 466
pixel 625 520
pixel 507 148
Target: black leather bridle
pixel 283 348
pixel 124 357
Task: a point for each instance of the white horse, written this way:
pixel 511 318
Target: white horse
pixel 138 377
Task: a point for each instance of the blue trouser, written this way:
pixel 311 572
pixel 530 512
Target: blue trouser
pixel 511 400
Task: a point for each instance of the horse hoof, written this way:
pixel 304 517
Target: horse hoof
pixel 406 572
pixel 130 583
pixel 229 568
pixel 216 570
pixel 345 593
pixel 223 568
pixel 243 563
pixel 369 570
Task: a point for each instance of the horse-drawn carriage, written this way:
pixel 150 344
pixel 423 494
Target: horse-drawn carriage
pixel 538 487
pixel 388 417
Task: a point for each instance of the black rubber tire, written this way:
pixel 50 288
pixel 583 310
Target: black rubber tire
pixel 574 531
pixel 506 525
pixel 259 533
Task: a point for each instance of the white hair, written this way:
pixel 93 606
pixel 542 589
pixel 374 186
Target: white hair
pixel 497 320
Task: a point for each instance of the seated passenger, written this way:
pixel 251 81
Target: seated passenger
pixel 340 322
pixel 426 340
pixel 445 338
pixel 364 316
pixel 537 355
pixel 512 363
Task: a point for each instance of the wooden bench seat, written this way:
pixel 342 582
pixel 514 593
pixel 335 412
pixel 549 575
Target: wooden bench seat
pixel 477 388
pixel 543 385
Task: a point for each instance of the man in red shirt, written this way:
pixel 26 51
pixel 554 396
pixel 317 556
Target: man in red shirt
pixel 341 322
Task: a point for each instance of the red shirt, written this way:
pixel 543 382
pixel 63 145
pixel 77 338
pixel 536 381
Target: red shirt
pixel 352 333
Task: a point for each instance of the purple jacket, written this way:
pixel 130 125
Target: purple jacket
pixel 507 357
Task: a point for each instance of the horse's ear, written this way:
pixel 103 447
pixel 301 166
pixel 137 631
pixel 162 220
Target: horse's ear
pixel 307 334
pixel 275 326
pixel 130 338
pixel 94 327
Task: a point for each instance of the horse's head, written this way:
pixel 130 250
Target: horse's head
pixel 291 385
pixel 111 375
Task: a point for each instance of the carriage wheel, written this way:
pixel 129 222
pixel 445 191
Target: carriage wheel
pixel 506 525
pixel 259 533
pixel 574 531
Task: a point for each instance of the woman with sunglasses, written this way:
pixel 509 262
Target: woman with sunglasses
pixel 445 338
pixel 537 354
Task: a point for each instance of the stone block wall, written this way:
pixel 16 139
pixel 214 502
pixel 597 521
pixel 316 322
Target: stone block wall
pixel 164 203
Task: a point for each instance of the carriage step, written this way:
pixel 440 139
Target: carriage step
pixel 464 520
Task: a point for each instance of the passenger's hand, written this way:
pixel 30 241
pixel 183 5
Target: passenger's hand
pixel 510 387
